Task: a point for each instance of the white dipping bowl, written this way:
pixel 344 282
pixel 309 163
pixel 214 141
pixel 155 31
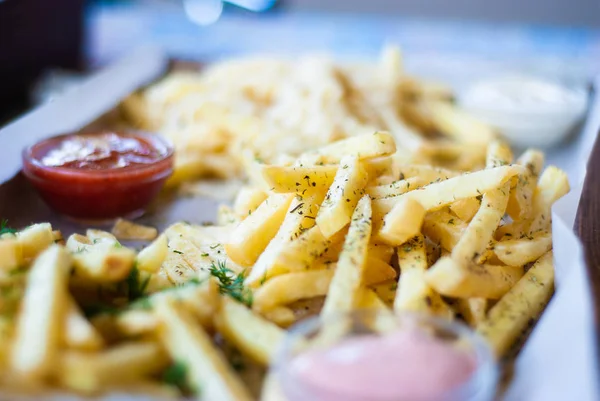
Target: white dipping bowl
pixel 527 111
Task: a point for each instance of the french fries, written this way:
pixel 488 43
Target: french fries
pixel 343 293
pixel 252 334
pixel 39 326
pixel 333 217
pixel 253 234
pixel 190 344
pixel 343 195
pixel 126 363
pixel 525 301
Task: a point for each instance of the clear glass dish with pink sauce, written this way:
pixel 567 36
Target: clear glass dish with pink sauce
pixel 99 176
pixel 374 356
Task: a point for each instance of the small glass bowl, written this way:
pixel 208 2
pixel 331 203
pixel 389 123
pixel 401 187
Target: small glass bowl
pixel 99 195
pixel 315 333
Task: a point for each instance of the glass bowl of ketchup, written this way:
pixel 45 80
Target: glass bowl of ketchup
pixel 371 355
pixel 99 176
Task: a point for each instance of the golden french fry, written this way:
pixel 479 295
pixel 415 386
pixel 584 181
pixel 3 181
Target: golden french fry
pixel 124 363
pixel 465 209
pixel 470 280
pixel 300 217
pixel 342 197
pixel 480 231
pixel 249 332
pixel 78 332
pixel 553 185
pixel 402 223
pixel 282 316
pixel 152 257
pixel 344 291
pixel 11 254
pixel 128 230
pixel 291 287
pixel 520 202
pixel 473 310
pixel 39 326
pixel 443 228
pixel 518 252
pixel 34 239
pixel 299 179
pixel 413 292
pixel 188 343
pixel 395 188
pixel 439 194
pixel 251 236
pixel 525 301
pixel 367 146
pixel 248 200
pixel 459 125
pixel 303 252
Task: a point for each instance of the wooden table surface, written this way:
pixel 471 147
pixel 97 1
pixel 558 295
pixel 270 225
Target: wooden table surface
pixel 587 227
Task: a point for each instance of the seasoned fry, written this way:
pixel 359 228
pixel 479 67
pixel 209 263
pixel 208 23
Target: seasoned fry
pixel 40 322
pixel 300 217
pixel 291 287
pixel 465 209
pixel 252 235
pixel 11 254
pixel 367 146
pixel 248 200
pixel 128 230
pixel 437 195
pixel 518 252
pixel 299 179
pixel 458 125
pixel 101 261
pixel 473 310
pixel 520 202
pixel 402 223
pixel 342 197
pixel 78 332
pixel 252 334
pixel 470 280
pixel 190 344
pixel 125 363
pixel 525 301
pixel 34 239
pixel 443 228
pixel 413 293
pixel 152 257
pixel 395 188
pixel 343 293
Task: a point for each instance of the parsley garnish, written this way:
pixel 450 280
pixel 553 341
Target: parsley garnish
pixel 176 251
pixel 230 283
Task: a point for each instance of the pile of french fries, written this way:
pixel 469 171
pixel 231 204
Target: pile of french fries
pixel 202 310
pixel 229 114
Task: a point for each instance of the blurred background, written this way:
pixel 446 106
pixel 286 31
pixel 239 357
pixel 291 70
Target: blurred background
pixel 440 38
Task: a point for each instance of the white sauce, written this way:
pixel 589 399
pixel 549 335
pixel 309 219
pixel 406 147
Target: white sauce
pixel 527 111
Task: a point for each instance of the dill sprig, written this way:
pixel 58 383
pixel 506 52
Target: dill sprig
pixel 136 286
pixel 230 283
pixel 5 229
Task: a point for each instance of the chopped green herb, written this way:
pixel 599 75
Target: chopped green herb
pixel 176 375
pixel 176 251
pixel 136 287
pixel 230 283
pixel 5 229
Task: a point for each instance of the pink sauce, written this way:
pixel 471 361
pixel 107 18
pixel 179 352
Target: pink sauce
pixel 405 365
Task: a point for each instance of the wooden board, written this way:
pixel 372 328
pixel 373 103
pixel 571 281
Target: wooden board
pixel 587 228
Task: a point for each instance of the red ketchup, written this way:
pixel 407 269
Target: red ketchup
pixel 99 176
